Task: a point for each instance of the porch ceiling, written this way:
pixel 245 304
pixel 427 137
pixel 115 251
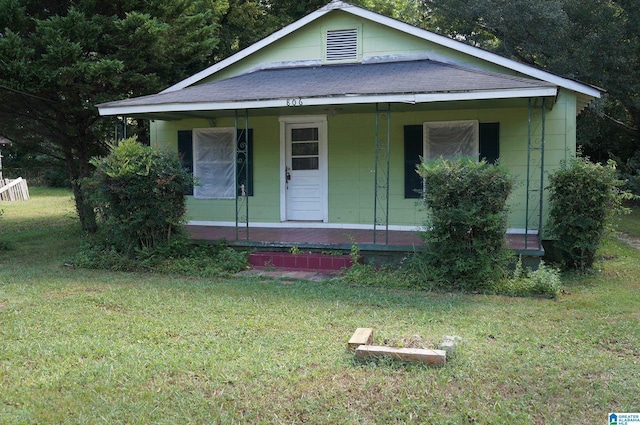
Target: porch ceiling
pixel 339 86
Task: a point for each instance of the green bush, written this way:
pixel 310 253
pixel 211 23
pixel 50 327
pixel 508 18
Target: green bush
pixel 467 222
pixel 544 281
pixel 368 275
pixel 205 261
pixel 179 257
pixel 583 198
pixel 139 193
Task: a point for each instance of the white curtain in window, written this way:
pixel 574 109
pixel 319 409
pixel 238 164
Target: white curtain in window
pixel 450 139
pixel 213 163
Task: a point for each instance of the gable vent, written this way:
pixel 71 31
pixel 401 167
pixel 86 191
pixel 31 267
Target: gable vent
pixel 342 45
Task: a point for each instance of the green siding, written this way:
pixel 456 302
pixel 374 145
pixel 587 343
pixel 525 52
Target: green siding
pixel 351 160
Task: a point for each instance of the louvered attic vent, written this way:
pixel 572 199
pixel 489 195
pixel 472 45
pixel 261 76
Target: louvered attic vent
pixel 342 45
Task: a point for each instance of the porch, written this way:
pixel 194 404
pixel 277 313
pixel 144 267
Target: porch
pixel 339 239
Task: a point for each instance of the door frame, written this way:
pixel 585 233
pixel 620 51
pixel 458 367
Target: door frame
pixel 321 122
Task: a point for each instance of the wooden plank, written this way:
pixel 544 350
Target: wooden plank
pixel 25 189
pixel 362 336
pixel 412 355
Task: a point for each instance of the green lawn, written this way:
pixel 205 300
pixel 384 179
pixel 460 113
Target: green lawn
pixel 630 223
pixel 85 346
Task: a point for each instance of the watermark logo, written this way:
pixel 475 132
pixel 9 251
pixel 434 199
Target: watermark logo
pixel 624 419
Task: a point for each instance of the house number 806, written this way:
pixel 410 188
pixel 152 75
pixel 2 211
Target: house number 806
pixel 294 102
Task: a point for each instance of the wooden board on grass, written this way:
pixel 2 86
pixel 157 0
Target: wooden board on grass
pixel 362 336
pixel 412 355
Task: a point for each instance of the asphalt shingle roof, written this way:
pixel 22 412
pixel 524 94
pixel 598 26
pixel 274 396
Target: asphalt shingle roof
pixel 410 77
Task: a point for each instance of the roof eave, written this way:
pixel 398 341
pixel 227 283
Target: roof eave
pixel 407 98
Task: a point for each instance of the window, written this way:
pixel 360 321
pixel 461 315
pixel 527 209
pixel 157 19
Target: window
pixel 244 164
pixel 448 139
pixel 305 148
pixel 213 163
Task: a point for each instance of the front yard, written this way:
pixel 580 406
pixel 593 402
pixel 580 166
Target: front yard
pixel 85 346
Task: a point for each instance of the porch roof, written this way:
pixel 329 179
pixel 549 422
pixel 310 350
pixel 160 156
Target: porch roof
pixel 417 81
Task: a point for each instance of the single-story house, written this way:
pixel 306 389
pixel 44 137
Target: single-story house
pixel 321 124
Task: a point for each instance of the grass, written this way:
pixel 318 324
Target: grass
pixel 630 223
pixel 85 346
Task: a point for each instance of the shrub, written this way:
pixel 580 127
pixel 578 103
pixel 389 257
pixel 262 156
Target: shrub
pixel 466 223
pixel 179 257
pixel 583 198
pixel 368 275
pixel 205 261
pixel 545 281
pixel 139 193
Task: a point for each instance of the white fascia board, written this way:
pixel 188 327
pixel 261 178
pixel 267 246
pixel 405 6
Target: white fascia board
pixel 248 51
pixel 476 52
pixel 487 95
pixel 323 101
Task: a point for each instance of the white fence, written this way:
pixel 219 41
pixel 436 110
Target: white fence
pixel 14 190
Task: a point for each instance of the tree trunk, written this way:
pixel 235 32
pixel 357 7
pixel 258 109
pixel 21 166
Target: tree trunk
pixel 79 168
pixel 85 210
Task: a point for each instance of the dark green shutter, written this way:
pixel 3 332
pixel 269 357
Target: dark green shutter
pixel 245 162
pixel 489 141
pixel 412 154
pixel 185 151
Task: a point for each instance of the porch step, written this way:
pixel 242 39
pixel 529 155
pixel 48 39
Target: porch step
pixel 301 261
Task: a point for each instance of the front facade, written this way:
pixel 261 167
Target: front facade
pixel 322 124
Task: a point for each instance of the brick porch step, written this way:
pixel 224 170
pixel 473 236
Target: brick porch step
pixel 302 261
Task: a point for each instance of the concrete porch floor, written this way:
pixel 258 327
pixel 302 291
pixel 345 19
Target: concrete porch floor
pixel 337 239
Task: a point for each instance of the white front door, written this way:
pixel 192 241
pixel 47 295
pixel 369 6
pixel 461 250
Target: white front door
pixel 305 169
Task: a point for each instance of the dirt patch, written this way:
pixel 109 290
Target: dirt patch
pixel 631 240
